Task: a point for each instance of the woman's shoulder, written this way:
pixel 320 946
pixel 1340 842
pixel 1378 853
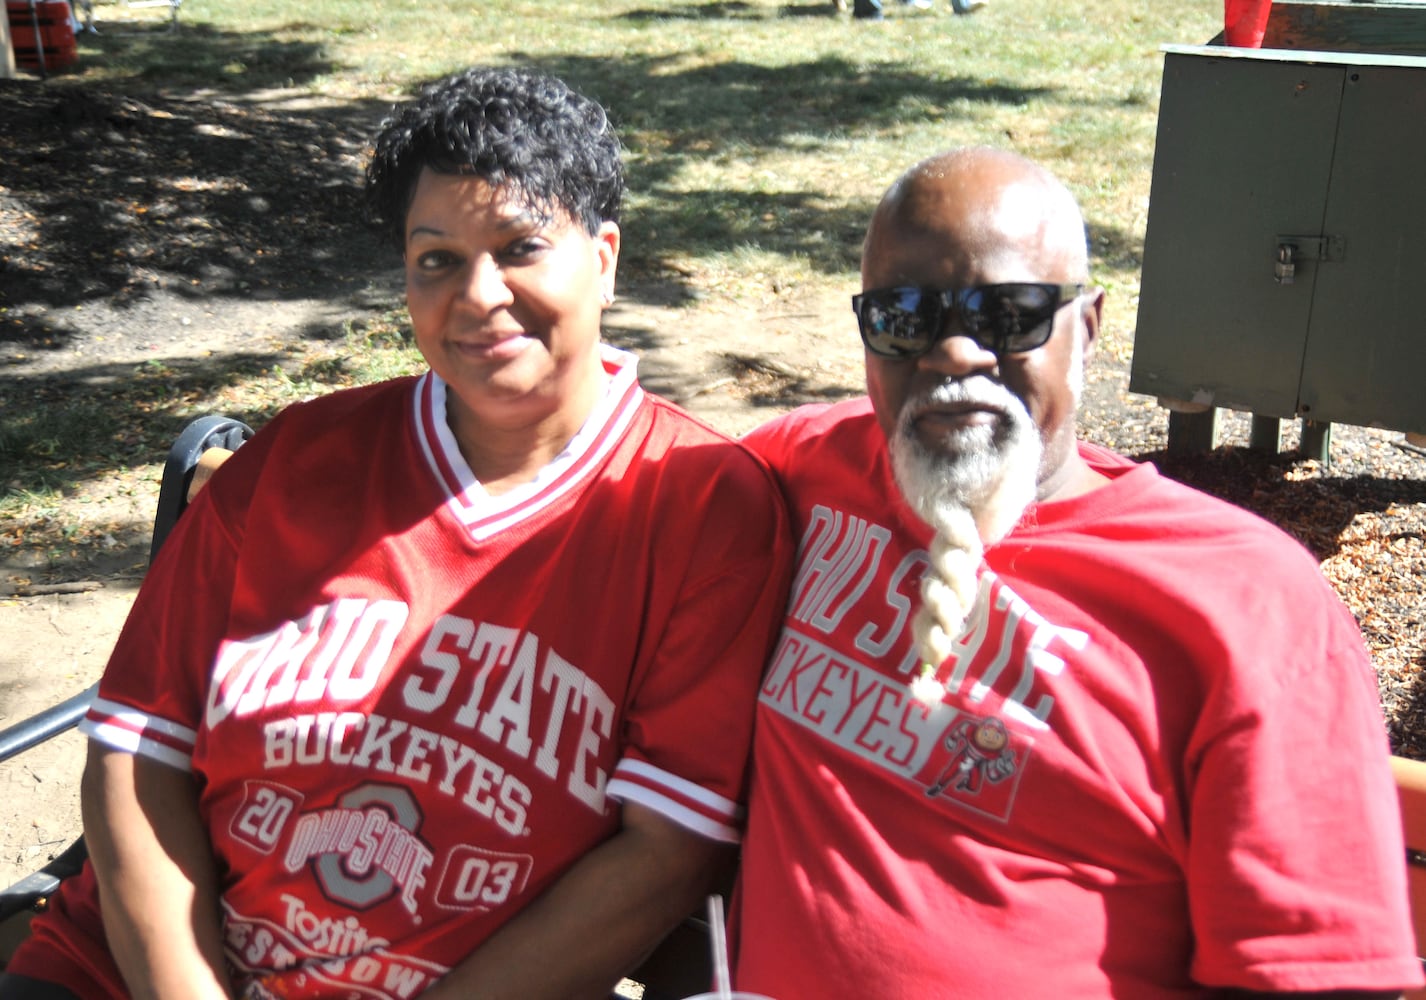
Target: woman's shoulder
pixel 323 421
pixel 669 427
pixel 321 433
pixel 691 451
pixel 347 403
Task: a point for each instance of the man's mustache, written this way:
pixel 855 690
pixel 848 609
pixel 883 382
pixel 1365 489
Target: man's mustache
pixel 978 390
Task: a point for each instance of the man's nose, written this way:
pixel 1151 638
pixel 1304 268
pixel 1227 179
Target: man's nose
pixel 956 354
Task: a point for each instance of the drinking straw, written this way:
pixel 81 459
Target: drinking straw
pixel 719 934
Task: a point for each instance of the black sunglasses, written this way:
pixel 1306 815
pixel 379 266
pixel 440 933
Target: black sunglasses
pixel 1005 318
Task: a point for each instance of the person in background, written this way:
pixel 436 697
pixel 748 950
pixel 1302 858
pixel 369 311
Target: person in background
pixel 1041 722
pixel 872 10
pixel 442 686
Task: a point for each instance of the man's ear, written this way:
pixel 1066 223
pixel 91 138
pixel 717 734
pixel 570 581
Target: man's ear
pixel 1092 312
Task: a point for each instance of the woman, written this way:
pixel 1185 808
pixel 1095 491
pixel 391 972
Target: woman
pixel 443 686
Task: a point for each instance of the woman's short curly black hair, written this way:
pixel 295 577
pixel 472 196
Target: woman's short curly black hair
pixel 549 147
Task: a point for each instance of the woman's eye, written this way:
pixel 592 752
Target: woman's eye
pixel 433 260
pixel 524 249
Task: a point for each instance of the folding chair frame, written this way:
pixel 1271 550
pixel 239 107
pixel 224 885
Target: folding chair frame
pixel 31 893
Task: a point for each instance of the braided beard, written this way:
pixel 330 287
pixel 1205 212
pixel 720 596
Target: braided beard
pixel 972 491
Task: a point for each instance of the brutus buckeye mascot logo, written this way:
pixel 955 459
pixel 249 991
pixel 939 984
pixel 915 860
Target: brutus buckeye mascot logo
pixel 980 752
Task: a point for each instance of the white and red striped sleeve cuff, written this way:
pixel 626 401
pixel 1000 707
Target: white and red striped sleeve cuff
pixel 687 804
pixel 121 727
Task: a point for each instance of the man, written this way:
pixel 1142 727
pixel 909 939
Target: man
pixel 1041 723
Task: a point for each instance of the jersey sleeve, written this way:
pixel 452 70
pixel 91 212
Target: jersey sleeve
pixel 1296 868
pixel 153 692
pixel 689 727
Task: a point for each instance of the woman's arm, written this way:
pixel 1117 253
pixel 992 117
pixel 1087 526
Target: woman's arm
pixel 598 920
pixel 155 870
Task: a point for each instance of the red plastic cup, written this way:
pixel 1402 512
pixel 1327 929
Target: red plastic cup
pixel 1245 22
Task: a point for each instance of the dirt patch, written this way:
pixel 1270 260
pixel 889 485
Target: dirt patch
pixel 54 646
pixel 210 234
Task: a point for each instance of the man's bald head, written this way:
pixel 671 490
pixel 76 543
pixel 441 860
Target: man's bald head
pixel 980 204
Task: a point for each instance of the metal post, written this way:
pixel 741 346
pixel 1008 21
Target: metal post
pixel 39 40
pixel 7 62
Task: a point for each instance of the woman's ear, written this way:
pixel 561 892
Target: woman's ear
pixel 606 245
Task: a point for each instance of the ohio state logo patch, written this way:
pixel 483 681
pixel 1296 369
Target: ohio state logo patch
pixel 365 849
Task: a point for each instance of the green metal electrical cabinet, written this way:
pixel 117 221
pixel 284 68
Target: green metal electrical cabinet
pixel 1285 253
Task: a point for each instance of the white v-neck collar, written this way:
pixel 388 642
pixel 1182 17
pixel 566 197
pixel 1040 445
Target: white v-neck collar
pixel 484 515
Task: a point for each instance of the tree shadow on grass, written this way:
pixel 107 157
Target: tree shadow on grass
pixel 61 431
pixel 113 415
pixel 719 10
pixel 197 56
pixel 742 113
pixel 120 194
pixel 115 196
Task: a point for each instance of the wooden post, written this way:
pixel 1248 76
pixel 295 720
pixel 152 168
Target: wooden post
pixel 7 67
pixel 1192 426
pixel 1317 441
pixel 1266 434
pixel 1193 432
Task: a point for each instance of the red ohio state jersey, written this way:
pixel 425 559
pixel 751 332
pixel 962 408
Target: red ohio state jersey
pixel 410 705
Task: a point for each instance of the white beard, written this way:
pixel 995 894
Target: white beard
pixel 972 494
pixel 989 472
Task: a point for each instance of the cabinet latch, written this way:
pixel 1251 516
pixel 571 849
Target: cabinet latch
pixel 1291 249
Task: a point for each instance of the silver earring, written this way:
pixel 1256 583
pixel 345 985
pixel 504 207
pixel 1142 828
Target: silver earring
pixel 608 296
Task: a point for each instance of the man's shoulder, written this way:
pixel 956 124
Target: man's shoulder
pixel 1144 504
pixel 1105 460
pixel 792 433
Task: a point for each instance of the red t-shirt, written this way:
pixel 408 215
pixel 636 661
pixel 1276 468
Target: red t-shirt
pixel 410 706
pixel 1161 765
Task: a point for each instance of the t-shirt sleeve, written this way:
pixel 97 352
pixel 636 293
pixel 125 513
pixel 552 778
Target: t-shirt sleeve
pixel 772 440
pixel 153 692
pixel 689 726
pixel 1296 868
